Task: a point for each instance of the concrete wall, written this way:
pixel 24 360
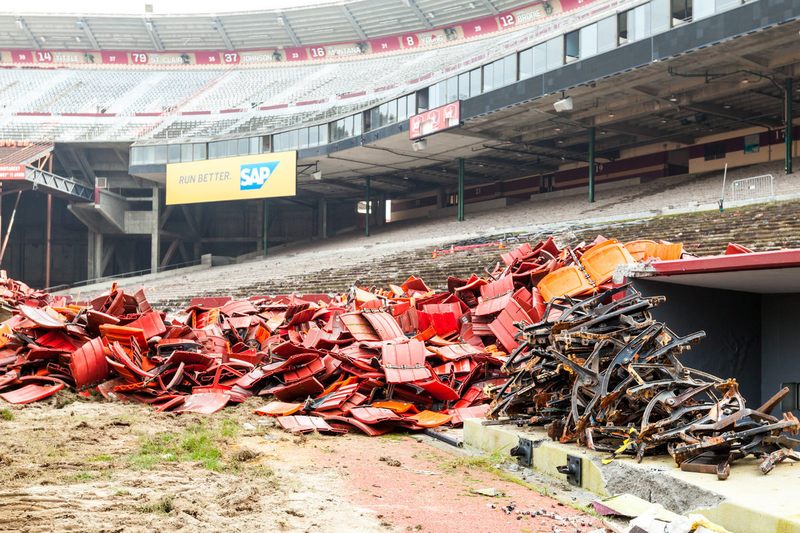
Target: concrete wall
pixel 780 341
pixel 732 322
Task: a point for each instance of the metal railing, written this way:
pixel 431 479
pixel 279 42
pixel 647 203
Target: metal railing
pixel 123 275
pixel 752 188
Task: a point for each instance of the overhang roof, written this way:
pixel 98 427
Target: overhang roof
pixel 331 22
pixel 769 272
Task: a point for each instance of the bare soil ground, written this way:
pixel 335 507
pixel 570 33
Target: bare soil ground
pixel 68 464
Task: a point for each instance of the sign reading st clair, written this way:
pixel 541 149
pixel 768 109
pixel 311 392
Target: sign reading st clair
pixel 232 178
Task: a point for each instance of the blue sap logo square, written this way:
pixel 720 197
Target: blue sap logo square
pixel 253 176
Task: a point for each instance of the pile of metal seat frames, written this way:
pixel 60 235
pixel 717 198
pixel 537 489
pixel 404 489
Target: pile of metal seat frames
pixel 542 337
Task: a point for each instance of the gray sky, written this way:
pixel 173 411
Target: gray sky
pixel 159 6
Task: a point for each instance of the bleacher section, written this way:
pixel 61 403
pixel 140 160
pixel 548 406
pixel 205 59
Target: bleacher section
pixel 400 248
pixel 129 105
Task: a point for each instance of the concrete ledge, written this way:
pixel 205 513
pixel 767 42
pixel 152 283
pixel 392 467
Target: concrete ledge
pixel 748 501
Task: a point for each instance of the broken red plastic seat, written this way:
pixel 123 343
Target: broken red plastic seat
pixel 404 363
pixel 359 327
pixel 150 323
pixel 209 302
pixel 346 422
pixel 299 389
pixel 8 378
pixel 436 388
pixel 336 399
pixel 414 285
pixel 298 424
pixel 35 388
pixel 313 368
pixel 444 324
pixel 503 326
pixel 205 403
pixel 460 366
pixel 374 415
pixel 88 364
pixel 384 325
pixel 454 352
pixel 520 252
pixel 123 334
pixel 238 308
pixel 41 318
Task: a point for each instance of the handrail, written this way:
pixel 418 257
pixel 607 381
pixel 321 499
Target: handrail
pixel 123 275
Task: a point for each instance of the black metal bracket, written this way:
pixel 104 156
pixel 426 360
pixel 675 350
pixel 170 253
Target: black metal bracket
pixel 523 451
pixel 573 470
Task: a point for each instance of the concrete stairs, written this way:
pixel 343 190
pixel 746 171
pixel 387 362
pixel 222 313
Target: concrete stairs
pixel 766 226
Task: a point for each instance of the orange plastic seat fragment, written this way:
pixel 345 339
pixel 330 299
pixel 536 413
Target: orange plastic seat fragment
pixel 600 261
pixel 397 407
pixel 277 408
pixel 430 419
pixel 566 281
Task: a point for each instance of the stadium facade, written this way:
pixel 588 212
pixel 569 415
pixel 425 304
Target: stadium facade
pixel 551 96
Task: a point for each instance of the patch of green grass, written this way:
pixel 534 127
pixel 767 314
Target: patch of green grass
pixel 229 428
pixel 394 436
pixel 6 414
pixel 83 476
pixel 199 442
pixel 164 505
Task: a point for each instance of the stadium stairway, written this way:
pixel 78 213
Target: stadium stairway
pixel 335 265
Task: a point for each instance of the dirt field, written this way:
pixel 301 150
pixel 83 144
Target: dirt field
pixel 74 465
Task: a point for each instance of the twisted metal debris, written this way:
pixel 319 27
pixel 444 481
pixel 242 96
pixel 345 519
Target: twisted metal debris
pixel 600 370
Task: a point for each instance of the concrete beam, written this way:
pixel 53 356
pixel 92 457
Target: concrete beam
pixel 23 26
pixel 216 23
pixel 289 30
pixel 412 4
pixel 87 31
pixel 650 133
pixel 153 34
pixel 733 114
pixel 354 23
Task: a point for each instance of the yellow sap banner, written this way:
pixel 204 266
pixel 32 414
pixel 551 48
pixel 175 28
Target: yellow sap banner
pixel 232 178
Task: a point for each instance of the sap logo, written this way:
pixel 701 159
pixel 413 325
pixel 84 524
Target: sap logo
pixel 254 175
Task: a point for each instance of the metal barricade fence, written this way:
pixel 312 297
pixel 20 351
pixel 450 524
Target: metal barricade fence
pixel 752 188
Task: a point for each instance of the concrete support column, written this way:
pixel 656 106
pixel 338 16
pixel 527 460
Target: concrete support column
pixel 155 235
pixel 265 228
pixel 591 165
pixel 460 189
pixel 441 198
pixel 95 255
pixel 787 134
pixel 381 210
pixel 48 234
pixel 322 210
pixel 367 209
pixel 260 228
